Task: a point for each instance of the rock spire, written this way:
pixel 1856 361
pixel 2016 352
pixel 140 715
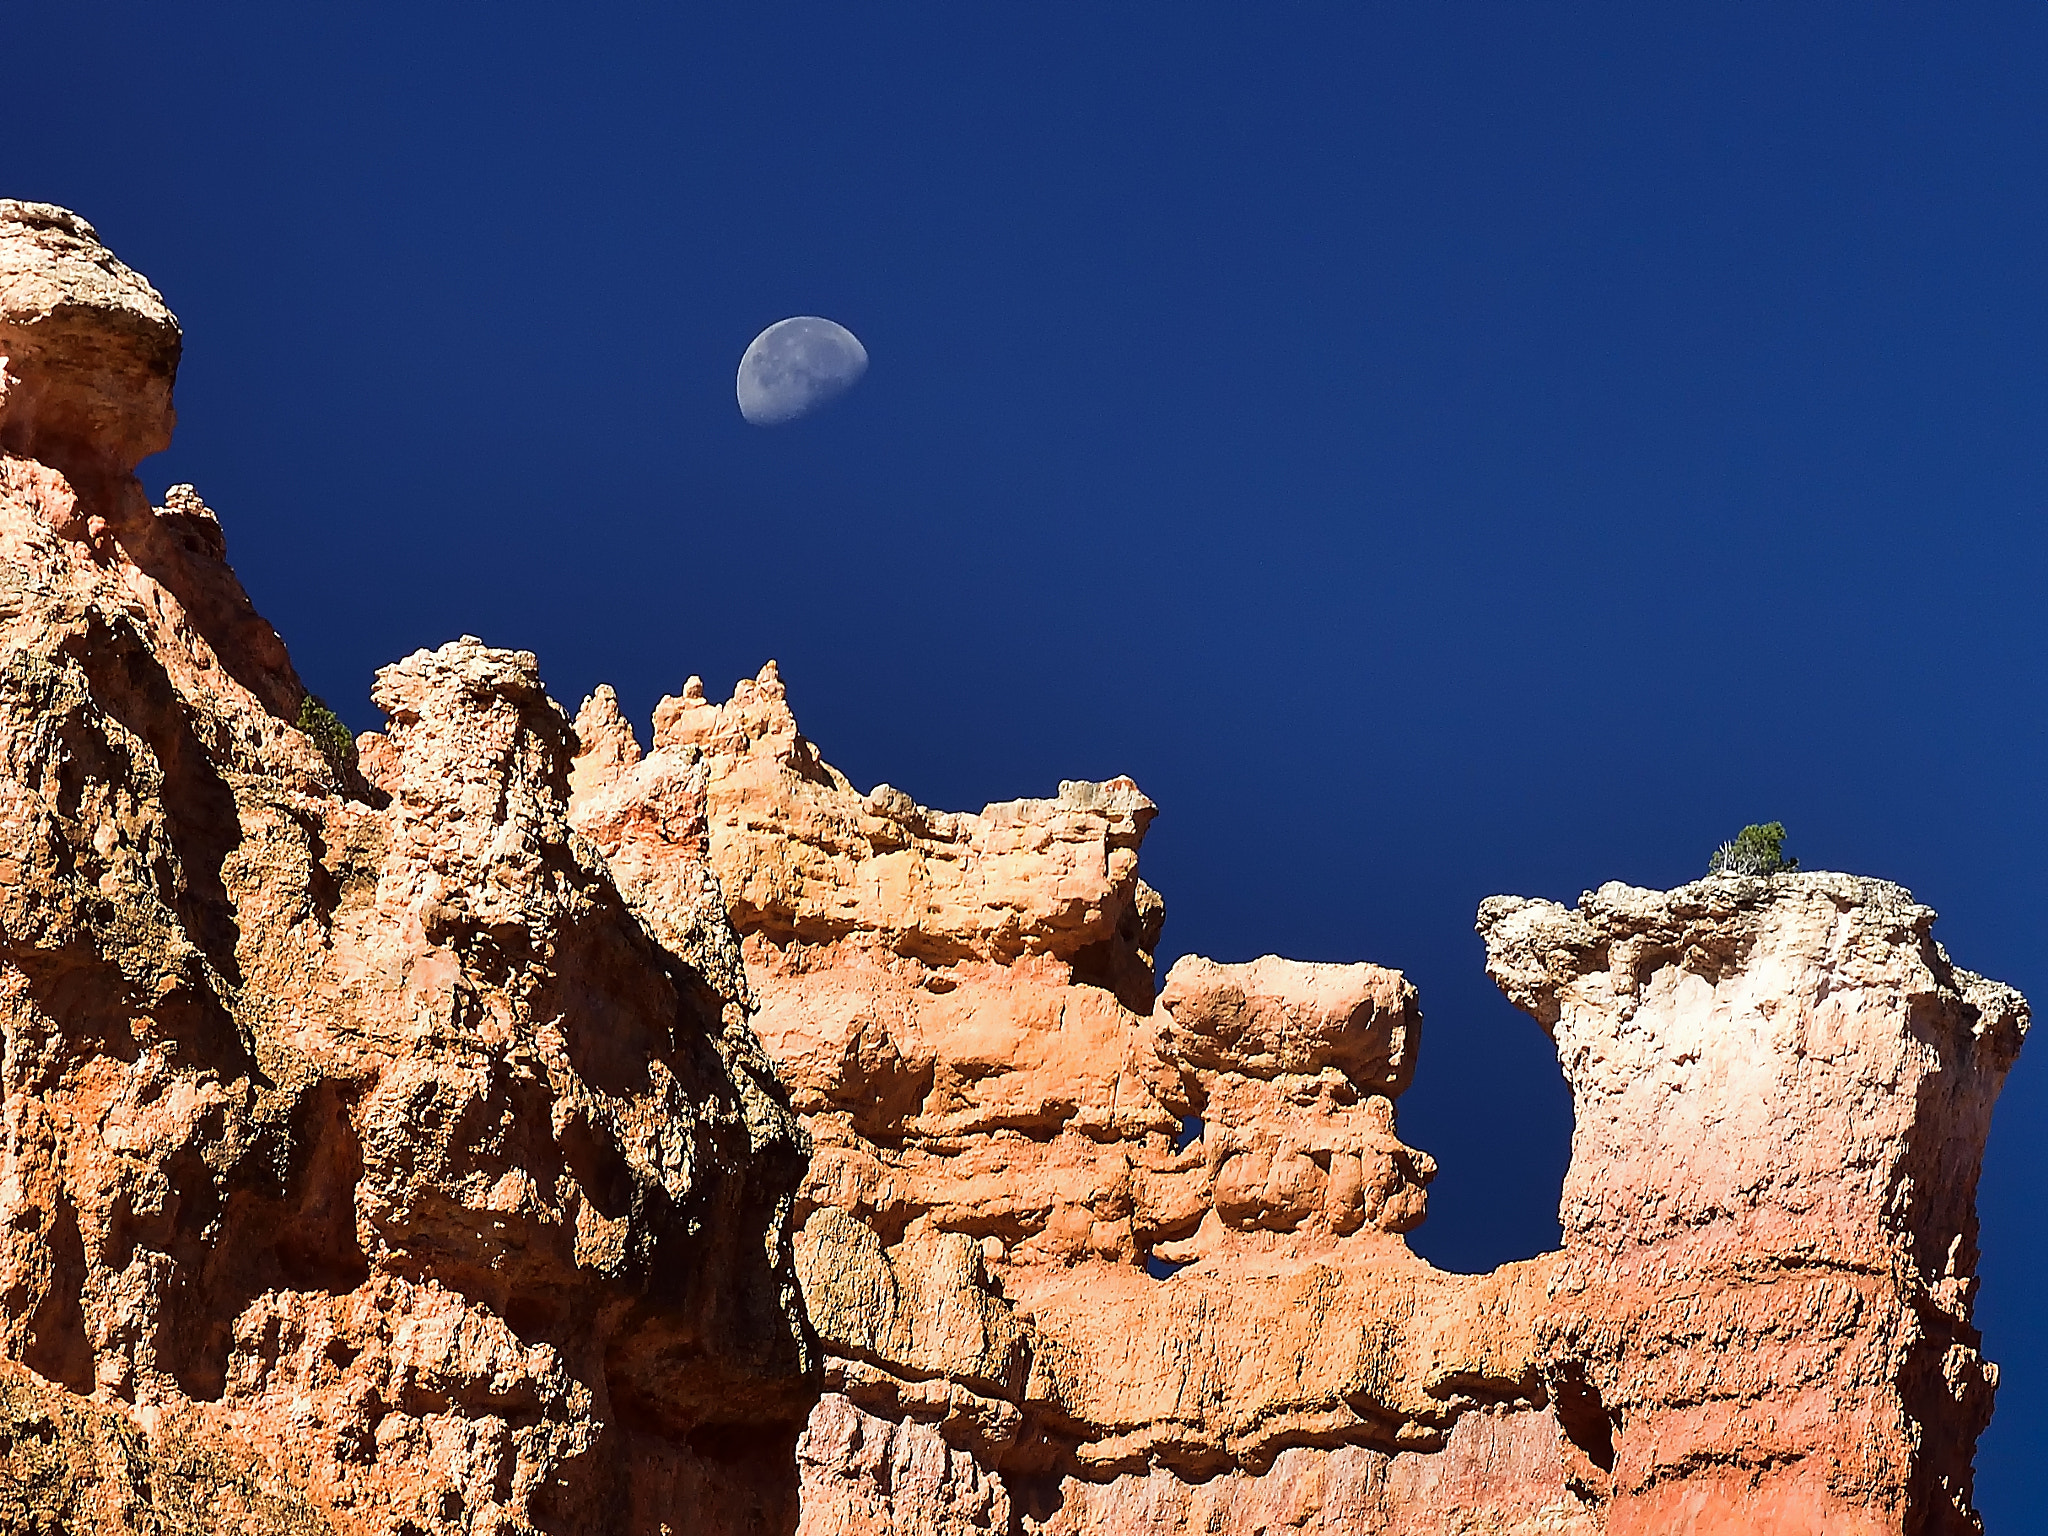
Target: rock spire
pixel 519 1130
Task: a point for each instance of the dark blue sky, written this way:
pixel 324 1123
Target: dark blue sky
pixel 1437 450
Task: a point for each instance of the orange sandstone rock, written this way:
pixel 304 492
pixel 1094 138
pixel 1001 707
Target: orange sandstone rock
pixel 1759 1320
pixel 88 350
pixel 367 1162
pixel 1782 1089
pixel 519 1131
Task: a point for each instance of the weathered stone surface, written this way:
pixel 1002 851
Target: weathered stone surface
pixel 88 350
pixel 69 1463
pixel 1759 1320
pixel 1003 1139
pixel 367 1162
pixel 519 1131
pixel 1782 1090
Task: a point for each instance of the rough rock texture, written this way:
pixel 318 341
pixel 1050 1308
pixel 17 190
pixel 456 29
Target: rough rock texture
pixel 1759 1321
pixel 1782 1090
pixel 516 1131
pixel 367 1162
pixel 91 350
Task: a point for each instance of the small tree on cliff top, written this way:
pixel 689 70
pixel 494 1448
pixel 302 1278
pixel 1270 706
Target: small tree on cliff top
pixel 328 734
pixel 1756 850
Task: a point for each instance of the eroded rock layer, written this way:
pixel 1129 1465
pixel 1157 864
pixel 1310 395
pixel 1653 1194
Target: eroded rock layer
pixel 502 1128
pixel 366 1155
pixel 1086 1260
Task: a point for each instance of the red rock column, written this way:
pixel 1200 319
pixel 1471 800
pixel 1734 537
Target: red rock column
pixel 1782 1090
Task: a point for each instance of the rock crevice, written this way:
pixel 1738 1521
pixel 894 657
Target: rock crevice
pixel 366 1157
pixel 1760 1314
pixel 519 1130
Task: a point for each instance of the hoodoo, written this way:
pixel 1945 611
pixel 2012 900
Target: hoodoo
pixel 512 1129
pixel 1759 1319
pixel 368 1165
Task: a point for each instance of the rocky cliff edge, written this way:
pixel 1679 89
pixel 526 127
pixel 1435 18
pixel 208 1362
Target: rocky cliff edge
pixel 369 1163
pixel 1083 1259
pixel 510 1128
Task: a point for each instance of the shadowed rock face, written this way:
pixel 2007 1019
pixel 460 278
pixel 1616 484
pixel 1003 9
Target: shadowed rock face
pixel 522 1132
pixel 1759 1320
pixel 369 1163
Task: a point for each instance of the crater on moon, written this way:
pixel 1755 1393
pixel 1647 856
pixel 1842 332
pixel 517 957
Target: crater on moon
pixel 795 366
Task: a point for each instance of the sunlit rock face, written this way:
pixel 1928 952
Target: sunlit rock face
pixel 1782 1089
pixel 515 1129
pixel 1086 1259
pixel 1004 1127
pixel 369 1163
pixel 88 350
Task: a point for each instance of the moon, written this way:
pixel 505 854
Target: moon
pixel 795 366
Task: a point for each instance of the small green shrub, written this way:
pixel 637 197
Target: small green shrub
pixel 324 726
pixel 1756 850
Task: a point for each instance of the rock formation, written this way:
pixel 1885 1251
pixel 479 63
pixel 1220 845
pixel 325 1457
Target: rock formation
pixel 1782 1089
pixel 1081 1260
pixel 370 1164
pixel 506 1129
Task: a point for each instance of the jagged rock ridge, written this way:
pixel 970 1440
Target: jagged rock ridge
pixel 529 1132
pixel 1759 1320
pixel 362 1142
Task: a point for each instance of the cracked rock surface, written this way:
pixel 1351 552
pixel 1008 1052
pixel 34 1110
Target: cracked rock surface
pixel 369 1163
pixel 510 1128
pixel 1083 1258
